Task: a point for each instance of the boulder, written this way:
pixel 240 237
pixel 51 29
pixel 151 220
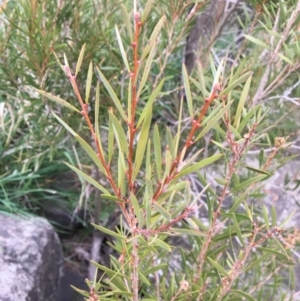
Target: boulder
pixel 30 259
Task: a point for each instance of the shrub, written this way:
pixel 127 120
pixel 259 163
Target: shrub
pixel 187 234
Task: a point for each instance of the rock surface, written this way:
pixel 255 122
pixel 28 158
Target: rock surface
pixel 283 192
pixel 30 259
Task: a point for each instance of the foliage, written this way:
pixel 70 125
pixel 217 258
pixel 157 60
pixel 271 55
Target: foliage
pixel 31 142
pixel 190 231
pixel 233 252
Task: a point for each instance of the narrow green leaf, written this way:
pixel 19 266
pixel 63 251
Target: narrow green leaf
pixel 238 202
pixel 188 232
pixel 112 94
pixel 162 244
pixel 219 268
pixel 187 193
pixel 260 259
pixel 212 66
pixel 115 282
pixel 148 8
pixel 156 268
pixel 121 172
pixel 239 217
pixel 248 182
pixel 235 83
pixel 196 84
pixel 129 99
pixel 220 132
pixel 261 157
pixel 141 218
pixel 97 107
pixel 217 73
pixel 150 101
pixel 219 145
pixel 66 62
pixel 80 58
pixel 212 123
pixel 266 218
pixel 221 182
pixel 119 134
pixel 57 99
pixel 121 46
pixel 178 135
pixel 88 178
pixel 148 214
pixel 162 211
pixel 82 292
pixel 146 69
pixel 119 292
pixel 115 277
pixel 200 225
pixel 149 161
pixel 84 144
pixel 59 63
pixel 89 83
pixel 240 69
pixel 242 101
pixel 248 211
pixel 107 231
pixel 164 196
pixel 274 217
pixel 274 252
pixel 212 114
pixel 135 204
pixel 168 163
pixel 285 220
pixel 204 183
pixel 187 90
pixel 127 21
pixel 256 41
pixel 170 201
pixel 149 188
pixel 170 142
pixel 284 58
pixel 286 159
pixel 235 132
pixel 143 278
pixel 172 285
pixel 111 139
pixel 193 226
pixel 157 152
pixel 199 165
pixel 188 162
pixel 238 230
pixel 243 294
pixel 256 169
pixel 279 244
pixel 153 37
pixel 111 198
pixel 142 142
pixel 202 88
pixel 177 186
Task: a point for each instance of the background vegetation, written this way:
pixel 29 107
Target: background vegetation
pixel 260 44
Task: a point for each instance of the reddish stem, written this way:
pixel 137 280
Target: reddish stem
pixel 84 112
pixel 134 99
pixel 195 125
pixel 167 227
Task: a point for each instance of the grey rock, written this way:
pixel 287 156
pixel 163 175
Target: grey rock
pixel 30 259
pixel 282 192
pixel 74 278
